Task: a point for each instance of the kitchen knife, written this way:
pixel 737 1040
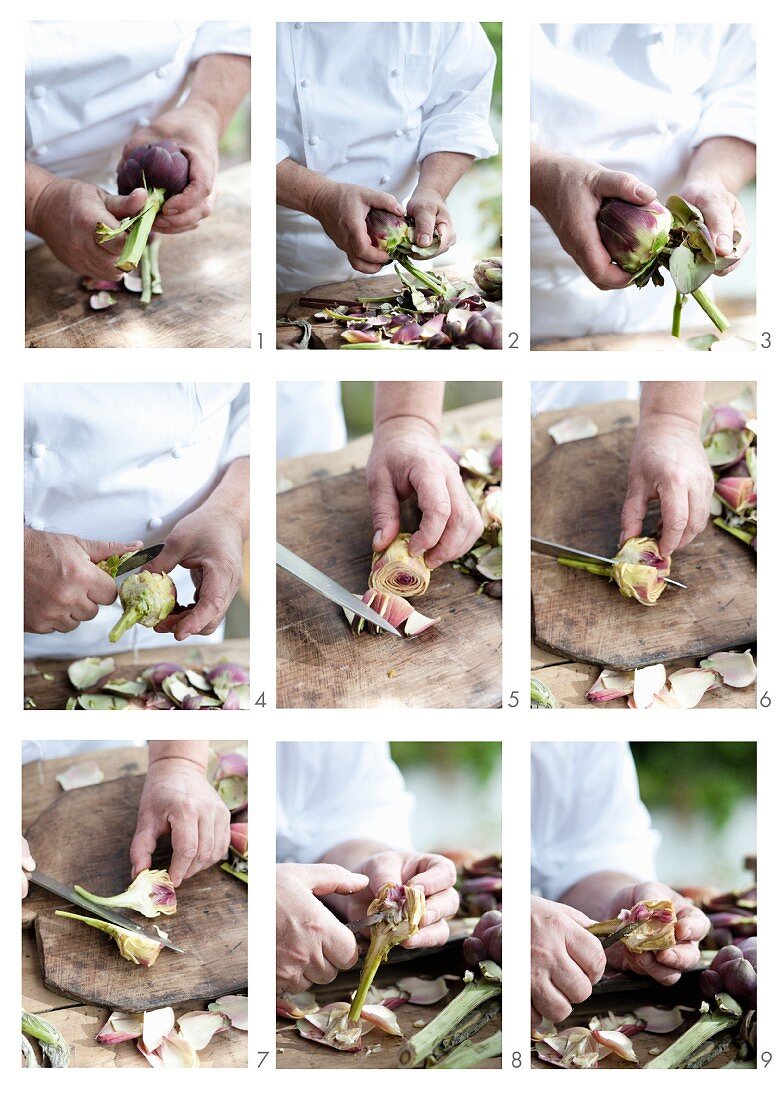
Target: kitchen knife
pixel 365 922
pixel 139 558
pixel 619 934
pixel 555 550
pixel 111 915
pixel 328 588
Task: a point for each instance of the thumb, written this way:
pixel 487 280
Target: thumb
pixel 624 185
pixel 385 512
pixel 98 550
pixel 126 206
pixel 633 513
pixel 382 200
pixel 329 878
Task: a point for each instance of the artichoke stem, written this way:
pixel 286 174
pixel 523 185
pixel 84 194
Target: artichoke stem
pixel 718 318
pixel 367 974
pixel 146 278
pixel 139 234
pixel 427 280
pixel 677 314
pixel 590 567
pixel 132 616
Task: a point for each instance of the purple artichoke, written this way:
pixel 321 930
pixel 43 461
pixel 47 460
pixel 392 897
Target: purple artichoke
pixel 483 328
pixel 488 276
pixel 159 164
pixel 633 235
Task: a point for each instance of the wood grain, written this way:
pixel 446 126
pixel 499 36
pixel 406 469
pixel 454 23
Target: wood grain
pixel 456 663
pixel 206 282
pixel 84 837
pixel 577 493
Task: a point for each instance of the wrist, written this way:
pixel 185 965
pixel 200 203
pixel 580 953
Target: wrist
pixel 316 197
pixel 404 423
pixel 37 203
pixel 192 755
pixel 666 418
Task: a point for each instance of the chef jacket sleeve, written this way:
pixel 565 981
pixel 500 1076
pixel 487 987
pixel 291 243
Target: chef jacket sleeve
pixel 729 104
pixel 601 823
pixel 342 791
pixel 282 151
pixel 215 36
pixel 457 111
pixel 237 435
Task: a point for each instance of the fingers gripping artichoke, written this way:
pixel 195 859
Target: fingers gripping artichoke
pixel 147 598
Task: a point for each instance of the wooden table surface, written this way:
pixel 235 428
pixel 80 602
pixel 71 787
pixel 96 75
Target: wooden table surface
pixel 54 694
pixel 740 312
pixel 295 1052
pixel 570 680
pixel 79 1023
pixel 206 284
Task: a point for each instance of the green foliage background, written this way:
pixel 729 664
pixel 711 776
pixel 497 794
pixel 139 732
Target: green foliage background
pixel 698 777
pixel 478 758
pixel 358 401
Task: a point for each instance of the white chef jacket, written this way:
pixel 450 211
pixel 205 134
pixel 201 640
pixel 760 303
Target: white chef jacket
pixel 636 97
pixel 125 461
pixel 366 103
pixel 568 395
pixel 586 815
pixel 33 751
pixel 88 85
pixel 309 418
pixel 328 792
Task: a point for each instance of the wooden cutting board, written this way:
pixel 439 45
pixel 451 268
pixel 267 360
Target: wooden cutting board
pixel 577 491
pixel 320 663
pixel 84 837
pixel 46 682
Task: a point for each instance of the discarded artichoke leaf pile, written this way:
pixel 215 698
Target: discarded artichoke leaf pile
pixel 164 686
pixel 650 687
pixel 729 435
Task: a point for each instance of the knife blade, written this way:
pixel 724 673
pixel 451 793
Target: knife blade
pixel 365 922
pixel 556 550
pixel 321 583
pixel 619 934
pixel 111 915
pixel 141 557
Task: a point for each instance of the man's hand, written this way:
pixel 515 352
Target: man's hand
pixel 666 967
pixel 568 192
pixel 28 864
pixel 178 799
pixel 312 945
pixel 436 874
pixel 431 215
pixel 566 960
pixel 195 130
pixel 407 458
pixel 208 542
pixel 62 584
pixel 342 209
pixel 64 213
pixel 668 463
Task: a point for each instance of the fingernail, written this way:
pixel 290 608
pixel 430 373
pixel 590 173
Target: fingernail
pixel 377 538
pixel 643 192
pixel 424 238
pixel 28 863
pixel 724 242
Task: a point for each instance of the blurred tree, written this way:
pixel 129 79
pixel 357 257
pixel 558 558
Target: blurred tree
pixel 479 758
pixel 705 777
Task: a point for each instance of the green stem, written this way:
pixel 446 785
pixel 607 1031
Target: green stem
pixel 735 531
pixel 709 1024
pixel 376 954
pixel 139 234
pixel 236 874
pixel 154 263
pixel 132 616
pixel 416 1049
pixel 677 314
pixel 718 318
pixel 146 278
pixel 590 567
pixel 422 276
pixel 470 1054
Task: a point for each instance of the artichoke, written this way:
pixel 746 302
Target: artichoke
pixel 633 235
pixel 147 598
pixel 488 277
